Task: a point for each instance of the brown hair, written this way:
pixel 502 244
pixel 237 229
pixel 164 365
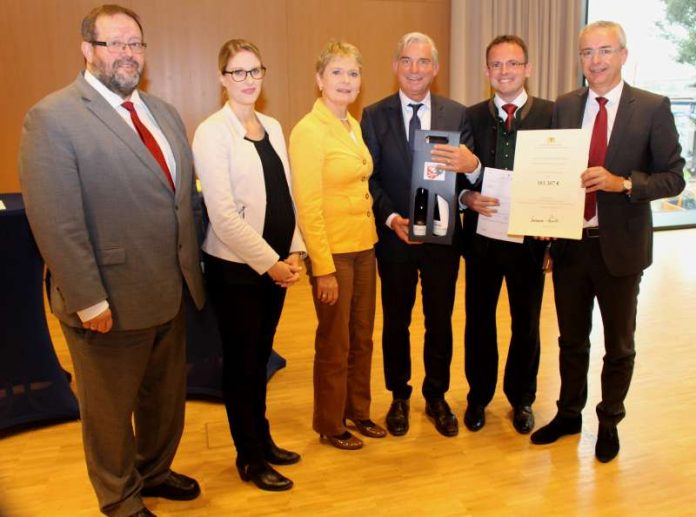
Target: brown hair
pixel 233 47
pixel 512 40
pixel 335 48
pixel 88 28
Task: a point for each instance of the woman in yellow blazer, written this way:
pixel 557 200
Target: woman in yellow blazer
pixel 331 167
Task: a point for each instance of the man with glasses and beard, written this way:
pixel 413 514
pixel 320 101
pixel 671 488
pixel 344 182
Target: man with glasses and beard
pixel 107 179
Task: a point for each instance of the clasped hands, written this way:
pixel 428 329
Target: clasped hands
pixel 286 272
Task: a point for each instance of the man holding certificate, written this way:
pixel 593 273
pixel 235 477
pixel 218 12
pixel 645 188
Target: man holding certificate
pixel 634 158
pixel 489 259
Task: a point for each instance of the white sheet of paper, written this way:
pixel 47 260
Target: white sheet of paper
pixel 497 183
pixel 547 197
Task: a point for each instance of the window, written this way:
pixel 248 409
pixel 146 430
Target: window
pixel 652 65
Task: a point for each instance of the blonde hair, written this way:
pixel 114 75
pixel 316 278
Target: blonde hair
pixel 336 48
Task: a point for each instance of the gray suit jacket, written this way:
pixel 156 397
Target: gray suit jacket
pixel 104 218
pixel 644 146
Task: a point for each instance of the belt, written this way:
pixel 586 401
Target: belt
pixel 590 233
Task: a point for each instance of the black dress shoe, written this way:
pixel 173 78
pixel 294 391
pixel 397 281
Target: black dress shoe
pixel 397 417
pixel 474 417
pixel 144 512
pixel 523 419
pixel 264 476
pixel 607 446
pixel 445 421
pixel 559 426
pixel 277 456
pixel 176 486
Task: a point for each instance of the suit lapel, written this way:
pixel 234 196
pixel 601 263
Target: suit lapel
pixel 397 126
pixel 579 109
pixel 624 113
pixel 101 109
pixel 437 116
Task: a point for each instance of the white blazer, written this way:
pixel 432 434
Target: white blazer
pixel 234 190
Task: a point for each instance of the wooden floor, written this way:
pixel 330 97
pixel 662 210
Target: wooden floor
pixel 492 472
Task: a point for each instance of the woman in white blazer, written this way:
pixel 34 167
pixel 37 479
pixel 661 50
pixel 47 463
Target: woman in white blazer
pixel 252 252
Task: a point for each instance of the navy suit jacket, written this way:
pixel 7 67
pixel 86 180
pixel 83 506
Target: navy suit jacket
pixel 384 133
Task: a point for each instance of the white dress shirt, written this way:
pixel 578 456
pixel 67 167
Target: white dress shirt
pixel 613 97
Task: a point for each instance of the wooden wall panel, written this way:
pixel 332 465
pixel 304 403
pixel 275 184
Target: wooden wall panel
pixel 39 50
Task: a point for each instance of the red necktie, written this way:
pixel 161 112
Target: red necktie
pixel 598 151
pixel 149 141
pixel 510 110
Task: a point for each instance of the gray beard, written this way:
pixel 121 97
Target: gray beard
pixel 118 83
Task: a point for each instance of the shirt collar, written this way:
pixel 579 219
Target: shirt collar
pixel 613 96
pixel 518 101
pixel 112 98
pixel 405 101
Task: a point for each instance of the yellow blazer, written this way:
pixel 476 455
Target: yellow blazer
pixel 330 187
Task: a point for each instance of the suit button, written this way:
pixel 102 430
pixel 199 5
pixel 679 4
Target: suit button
pixel 368 213
pixel 364 178
pixel 364 162
pixel 367 196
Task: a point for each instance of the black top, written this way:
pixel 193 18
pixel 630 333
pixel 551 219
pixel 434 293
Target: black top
pixel 279 224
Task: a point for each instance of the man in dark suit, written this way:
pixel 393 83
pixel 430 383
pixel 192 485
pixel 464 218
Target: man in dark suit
pixel 107 178
pixel 385 127
pixel 642 162
pixel 495 123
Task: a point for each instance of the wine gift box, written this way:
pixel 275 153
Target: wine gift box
pixel 433 204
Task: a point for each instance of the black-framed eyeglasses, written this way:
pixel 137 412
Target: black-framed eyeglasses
pixel 239 74
pixel 115 47
pixel 512 64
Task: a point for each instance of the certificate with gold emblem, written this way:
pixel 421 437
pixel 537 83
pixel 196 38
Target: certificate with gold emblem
pixel 547 198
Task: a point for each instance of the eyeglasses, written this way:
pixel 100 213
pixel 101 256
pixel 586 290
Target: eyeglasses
pixel 512 64
pixel 238 74
pixel 588 53
pixel 115 47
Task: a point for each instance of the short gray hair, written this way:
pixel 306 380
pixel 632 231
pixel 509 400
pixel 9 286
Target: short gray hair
pixel 603 24
pixel 415 37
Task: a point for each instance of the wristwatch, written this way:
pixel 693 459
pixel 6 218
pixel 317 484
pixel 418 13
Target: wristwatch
pixel 627 186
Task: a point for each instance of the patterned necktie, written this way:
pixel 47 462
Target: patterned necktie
pixel 149 141
pixel 510 110
pixel 413 124
pixel 598 151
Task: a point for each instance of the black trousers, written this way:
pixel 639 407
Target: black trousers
pixel 580 276
pixel 437 266
pixel 487 264
pixel 247 313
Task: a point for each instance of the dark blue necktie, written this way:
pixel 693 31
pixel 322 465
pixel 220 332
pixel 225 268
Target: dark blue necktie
pixel 413 124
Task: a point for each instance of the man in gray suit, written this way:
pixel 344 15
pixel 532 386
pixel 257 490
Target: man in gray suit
pixel 634 158
pixel 107 179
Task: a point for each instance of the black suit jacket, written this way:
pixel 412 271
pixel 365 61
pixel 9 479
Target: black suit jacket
pixel 644 145
pixel 390 184
pixel 535 114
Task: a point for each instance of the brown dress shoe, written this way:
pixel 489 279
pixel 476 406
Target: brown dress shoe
pixel 345 441
pixel 369 428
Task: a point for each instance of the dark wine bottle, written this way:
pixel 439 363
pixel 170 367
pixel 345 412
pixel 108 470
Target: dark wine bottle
pixel 420 212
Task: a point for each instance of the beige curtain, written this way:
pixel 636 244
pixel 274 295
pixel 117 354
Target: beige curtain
pixel 549 27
